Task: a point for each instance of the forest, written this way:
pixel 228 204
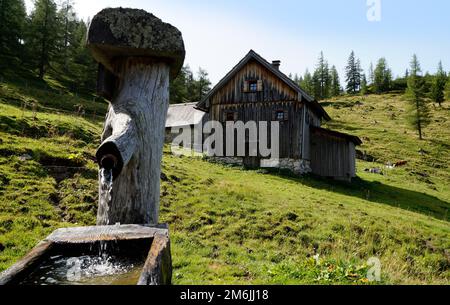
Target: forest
pixel 51 40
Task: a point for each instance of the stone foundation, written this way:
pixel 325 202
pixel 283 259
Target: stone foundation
pixel 299 167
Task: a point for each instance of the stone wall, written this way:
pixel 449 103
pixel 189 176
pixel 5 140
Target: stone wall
pixel 297 166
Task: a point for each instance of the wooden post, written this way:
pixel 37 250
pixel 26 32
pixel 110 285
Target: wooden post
pixel 143 53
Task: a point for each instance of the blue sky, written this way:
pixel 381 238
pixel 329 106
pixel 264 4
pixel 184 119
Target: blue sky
pixel 218 34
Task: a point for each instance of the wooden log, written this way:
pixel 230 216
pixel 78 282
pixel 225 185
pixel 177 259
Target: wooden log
pixel 28 262
pixel 143 53
pixel 135 127
pixel 158 266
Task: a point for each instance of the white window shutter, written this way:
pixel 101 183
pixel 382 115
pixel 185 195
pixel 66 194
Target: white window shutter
pixel 246 86
pixel 260 85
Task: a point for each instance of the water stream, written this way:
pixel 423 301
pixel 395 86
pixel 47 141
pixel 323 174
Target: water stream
pixel 105 196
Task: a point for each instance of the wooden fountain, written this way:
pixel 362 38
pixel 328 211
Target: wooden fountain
pixel 138 54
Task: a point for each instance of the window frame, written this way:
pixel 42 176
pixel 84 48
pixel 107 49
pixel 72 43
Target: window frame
pixel 252 86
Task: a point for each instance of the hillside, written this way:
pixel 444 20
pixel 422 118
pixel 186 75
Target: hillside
pixel 234 226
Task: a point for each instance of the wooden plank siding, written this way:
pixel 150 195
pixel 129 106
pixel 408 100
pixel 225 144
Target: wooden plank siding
pixel 332 157
pixel 261 106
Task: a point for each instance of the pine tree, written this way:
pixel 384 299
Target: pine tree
pixel 202 84
pixel 418 112
pixel 12 25
pixel 307 83
pixel 364 89
pixel 178 87
pixel 447 88
pixel 353 74
pixel 321 79
pixel 438 87
pixel 44 32
pixel 382 77
pixel 335 82
pixel 68 19
pixel 82 66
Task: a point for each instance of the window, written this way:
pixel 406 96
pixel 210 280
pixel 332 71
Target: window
pixel 253 86
pixel 280 115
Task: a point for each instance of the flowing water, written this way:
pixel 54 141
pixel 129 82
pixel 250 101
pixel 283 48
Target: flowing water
pixel 106 185
pixel 99 269
pixel 86 270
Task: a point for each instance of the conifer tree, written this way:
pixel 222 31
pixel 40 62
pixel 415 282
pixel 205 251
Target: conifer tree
pixel 353 74
pixel 307 83
pixel 335 82
pixel 12 26
pixel 438 87
pixel 418 112
pixel 382 77
pixel 321 79
pixel 363 90
pixel 44 32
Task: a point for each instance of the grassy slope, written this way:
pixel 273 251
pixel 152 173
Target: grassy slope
pixel 234 226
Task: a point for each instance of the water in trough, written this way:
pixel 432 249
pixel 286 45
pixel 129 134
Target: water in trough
pixel 86 270
pixel 98 266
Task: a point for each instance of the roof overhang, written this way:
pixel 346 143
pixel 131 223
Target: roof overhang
pixel 327 132
pixel 303 96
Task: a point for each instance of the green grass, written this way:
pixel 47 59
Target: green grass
pixel 234 226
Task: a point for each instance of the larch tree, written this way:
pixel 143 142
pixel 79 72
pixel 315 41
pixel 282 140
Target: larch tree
pixel 418 113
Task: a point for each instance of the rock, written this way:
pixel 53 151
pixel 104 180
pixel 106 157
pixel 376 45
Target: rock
pixel 25 157
pixel 422 152
pixel 125 32
pixel 374 171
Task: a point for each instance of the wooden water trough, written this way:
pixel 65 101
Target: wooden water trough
pixel 151 244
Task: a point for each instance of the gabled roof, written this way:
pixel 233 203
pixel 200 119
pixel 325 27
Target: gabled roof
pixel 180 115
pixel 333 133
pixel 255 56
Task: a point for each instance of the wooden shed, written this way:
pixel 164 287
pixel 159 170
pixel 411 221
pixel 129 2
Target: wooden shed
pixel 180 116
pixel 333 153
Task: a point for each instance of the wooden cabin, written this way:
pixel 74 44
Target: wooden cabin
pixel 180 116
pixel 256 90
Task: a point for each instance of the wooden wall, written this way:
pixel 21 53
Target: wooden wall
pixel 332 157
pixel 275 95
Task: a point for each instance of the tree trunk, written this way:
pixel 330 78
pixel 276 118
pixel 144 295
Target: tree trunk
pixel 419 126
pixel 134 131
